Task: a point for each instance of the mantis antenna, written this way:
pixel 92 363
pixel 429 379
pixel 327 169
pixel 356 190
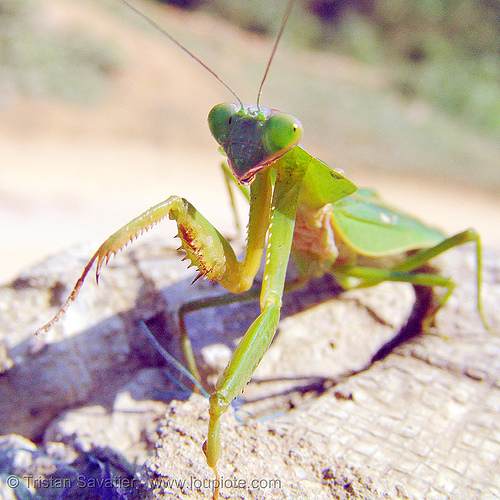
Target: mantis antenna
pixel 197 59
pixel 179 44
pixel 286 15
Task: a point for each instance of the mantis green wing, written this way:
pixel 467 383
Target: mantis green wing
pixel 321 184
pixel 373 229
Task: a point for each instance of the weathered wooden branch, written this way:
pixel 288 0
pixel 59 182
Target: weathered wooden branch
pixel 422 422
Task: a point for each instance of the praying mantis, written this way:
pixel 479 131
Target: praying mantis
pixel 299 210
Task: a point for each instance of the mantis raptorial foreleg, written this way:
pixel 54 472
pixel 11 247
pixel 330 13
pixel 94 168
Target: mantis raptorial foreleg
pixel 230 182
pixel 274 196
pixel 207 249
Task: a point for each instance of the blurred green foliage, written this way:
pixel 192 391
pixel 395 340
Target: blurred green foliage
pixel 37 59
pixel 444 52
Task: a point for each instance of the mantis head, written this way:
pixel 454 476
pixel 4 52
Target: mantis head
pixel 253 137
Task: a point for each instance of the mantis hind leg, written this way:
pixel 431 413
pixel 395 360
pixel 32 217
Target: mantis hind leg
pixel 373 276
pixel 407 271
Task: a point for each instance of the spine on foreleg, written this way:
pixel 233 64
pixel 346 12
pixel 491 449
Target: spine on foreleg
pixel 205 247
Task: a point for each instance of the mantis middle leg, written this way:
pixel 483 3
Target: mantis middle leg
pixel 256 341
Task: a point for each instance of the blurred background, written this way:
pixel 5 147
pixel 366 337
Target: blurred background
pixel 101 116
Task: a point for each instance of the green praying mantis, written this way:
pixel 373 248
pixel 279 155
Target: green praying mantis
pixel 300 209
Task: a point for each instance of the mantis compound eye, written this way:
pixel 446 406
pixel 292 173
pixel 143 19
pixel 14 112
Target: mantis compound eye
pixel 219 120
pixel 282 131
